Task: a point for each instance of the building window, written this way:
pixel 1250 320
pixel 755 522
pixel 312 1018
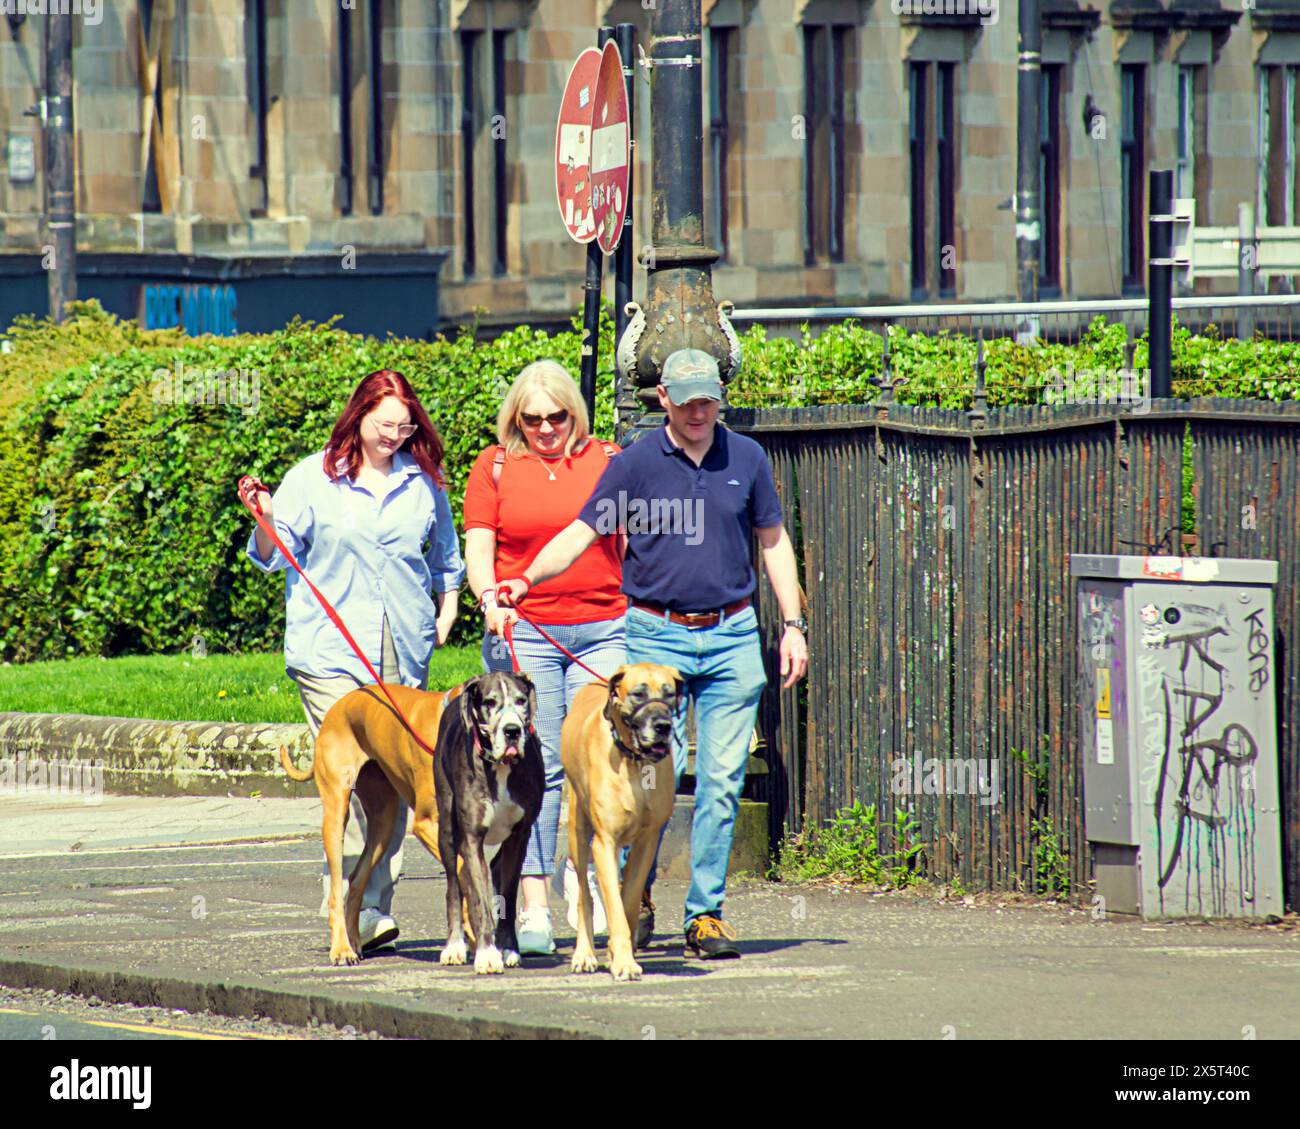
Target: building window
pixel 946 187
pixel 916 140
pixel 1049 183
pixel 375 119
pixel 932 114
pixel 500 186
pixel 1133 118
pixel 485 95
pixel 825 49
pixel 469 41
pixel 721 68
pixel 152 201
pixel 346 185
pixel 255 69
pixel 1278 108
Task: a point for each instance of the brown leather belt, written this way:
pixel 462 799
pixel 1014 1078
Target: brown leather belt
pixel 693 619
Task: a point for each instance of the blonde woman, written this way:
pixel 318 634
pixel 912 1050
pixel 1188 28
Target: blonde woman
pixel 520 493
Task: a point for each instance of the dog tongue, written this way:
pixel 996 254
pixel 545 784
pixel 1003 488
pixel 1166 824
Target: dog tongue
pixel 512 750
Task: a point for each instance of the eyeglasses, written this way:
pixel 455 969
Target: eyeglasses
pixel 404 430
pixel 554 419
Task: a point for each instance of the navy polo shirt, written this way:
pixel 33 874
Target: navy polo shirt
pixel 688 527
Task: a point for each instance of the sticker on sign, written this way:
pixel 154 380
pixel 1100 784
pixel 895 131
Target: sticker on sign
pixel 610 151
pixel 573 174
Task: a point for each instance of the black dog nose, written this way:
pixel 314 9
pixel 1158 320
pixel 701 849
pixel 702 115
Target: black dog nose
pixel 663 728
pixel 512 731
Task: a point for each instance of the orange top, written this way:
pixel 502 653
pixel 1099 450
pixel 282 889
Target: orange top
pixel 526 509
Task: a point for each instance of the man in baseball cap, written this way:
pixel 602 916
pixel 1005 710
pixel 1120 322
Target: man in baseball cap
pixel 691 374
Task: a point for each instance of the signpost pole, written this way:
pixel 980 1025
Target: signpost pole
pixel 591 303
pixel 1160 276
pixel 60 214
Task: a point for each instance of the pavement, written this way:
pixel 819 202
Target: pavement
pixel 211 903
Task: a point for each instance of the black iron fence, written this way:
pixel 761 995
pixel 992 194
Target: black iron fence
pixel 934 548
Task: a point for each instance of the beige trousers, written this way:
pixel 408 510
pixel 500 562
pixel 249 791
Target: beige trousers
pixel 317 695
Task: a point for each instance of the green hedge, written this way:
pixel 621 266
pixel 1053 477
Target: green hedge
pixel 119 520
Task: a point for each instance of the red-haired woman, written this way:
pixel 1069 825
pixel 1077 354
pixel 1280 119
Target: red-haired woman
pixel 369 520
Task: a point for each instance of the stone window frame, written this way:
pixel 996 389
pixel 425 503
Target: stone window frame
pixel 824 150
pixel 1134 147
pixel 940 47
pixel 494 30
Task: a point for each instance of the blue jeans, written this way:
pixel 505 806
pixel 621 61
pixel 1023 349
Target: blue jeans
pixel 722 668
pixel 557 678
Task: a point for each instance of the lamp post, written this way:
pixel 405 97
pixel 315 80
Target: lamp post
pixel 60 217
pixel 680 310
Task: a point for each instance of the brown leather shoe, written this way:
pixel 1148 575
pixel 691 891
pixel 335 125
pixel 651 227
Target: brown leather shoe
pixel 710 939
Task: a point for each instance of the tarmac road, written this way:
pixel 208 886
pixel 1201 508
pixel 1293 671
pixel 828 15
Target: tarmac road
pixel 193 902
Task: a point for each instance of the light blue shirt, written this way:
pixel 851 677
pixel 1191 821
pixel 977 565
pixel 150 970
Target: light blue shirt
pixel 367 557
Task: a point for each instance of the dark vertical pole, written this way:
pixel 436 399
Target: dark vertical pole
pixel 625 37
pixel 591 302
pixel 1160 272
pixel 375 154
pixel 1028 155
pixel 60 217
pixel 345 112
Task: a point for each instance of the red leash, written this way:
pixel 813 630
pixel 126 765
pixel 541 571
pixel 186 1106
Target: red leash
pixel 510 642
pixel 248 488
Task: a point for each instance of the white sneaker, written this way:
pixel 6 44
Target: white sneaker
pixel 376 930
pixel 599 924
pixel 533 932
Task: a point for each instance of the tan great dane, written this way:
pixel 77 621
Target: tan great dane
pixel 363 746
pixel 616 746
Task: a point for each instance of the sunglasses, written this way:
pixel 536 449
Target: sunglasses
pixel 405 430
pixel 554 419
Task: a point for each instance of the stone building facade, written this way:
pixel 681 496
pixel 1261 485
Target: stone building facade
pixel 856 150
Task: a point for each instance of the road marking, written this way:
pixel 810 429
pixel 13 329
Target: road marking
pixel 188 865
pixel 146 1029
pixel 225 845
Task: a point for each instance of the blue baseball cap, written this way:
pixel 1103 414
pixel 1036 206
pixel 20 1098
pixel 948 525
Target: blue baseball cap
pixel 691 374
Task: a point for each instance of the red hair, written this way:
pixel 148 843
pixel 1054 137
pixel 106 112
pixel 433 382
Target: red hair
pixel 343 451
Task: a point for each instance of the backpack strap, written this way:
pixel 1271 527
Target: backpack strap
pixel 499 460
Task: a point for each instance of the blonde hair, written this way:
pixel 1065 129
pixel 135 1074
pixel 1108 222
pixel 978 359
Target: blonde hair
pixel 552 378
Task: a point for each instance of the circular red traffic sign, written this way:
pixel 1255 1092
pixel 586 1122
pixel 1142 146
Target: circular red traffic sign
pixel 573 147
pixel 610 151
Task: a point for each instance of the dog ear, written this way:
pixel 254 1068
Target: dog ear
pixel 467 706
pixel 532 697
pixel 615 679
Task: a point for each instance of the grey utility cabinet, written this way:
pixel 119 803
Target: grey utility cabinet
pixel 1179 734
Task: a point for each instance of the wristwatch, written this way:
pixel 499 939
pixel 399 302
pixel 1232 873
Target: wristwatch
pixel 800 623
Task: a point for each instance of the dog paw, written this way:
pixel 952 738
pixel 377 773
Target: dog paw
pixel 453 953
pixel 487 961
pixel 511 958
pixel 344 956
pixel 585 962
pixel 625 970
